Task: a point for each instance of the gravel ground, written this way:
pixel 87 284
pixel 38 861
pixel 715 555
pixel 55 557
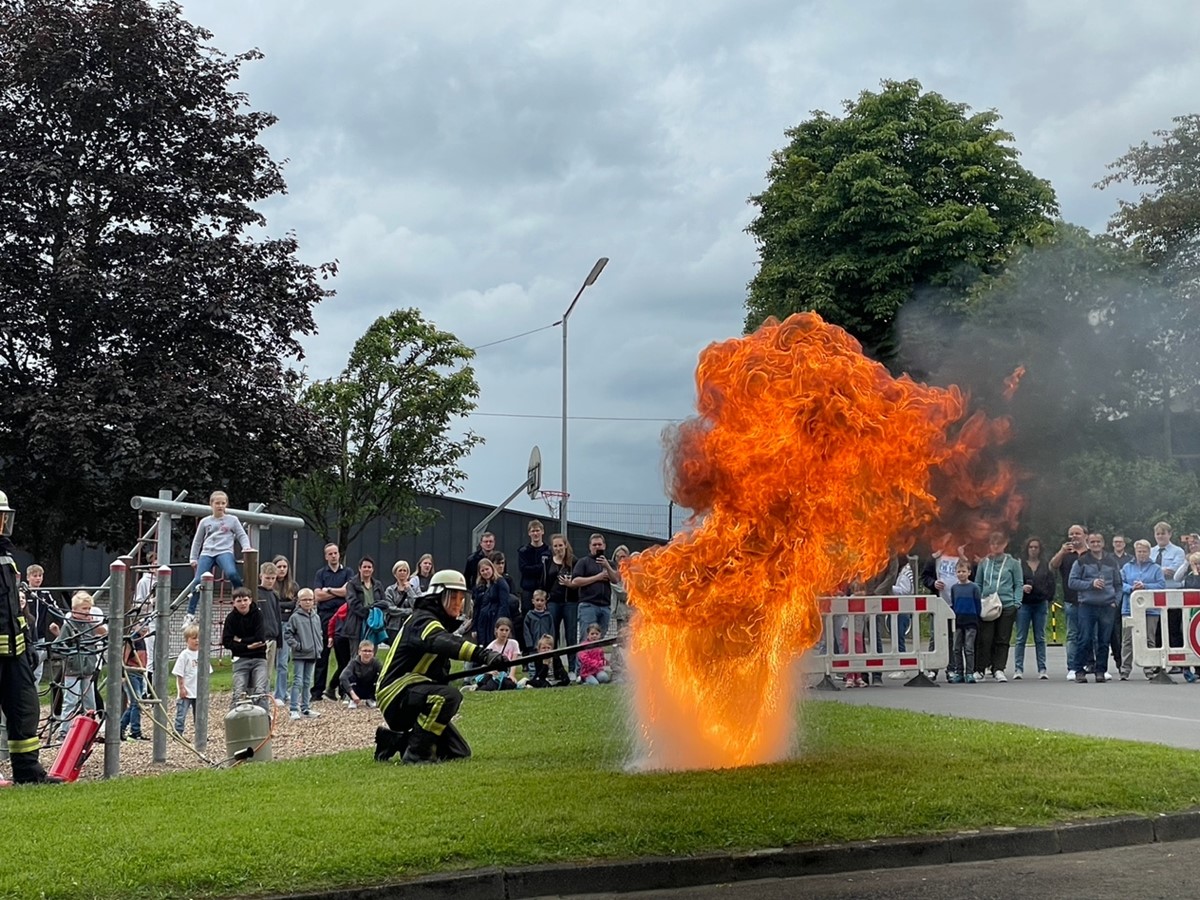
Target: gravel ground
pixel 337 729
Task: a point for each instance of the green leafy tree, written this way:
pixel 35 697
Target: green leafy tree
pixel 390 413
pixel 148 317
pixel 1163 224
pixel 1115 493
pixel 907 191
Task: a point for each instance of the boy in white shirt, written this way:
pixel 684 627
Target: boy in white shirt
pixel 186 672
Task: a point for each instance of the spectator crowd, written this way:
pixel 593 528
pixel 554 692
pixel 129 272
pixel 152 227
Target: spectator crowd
pixel 296 647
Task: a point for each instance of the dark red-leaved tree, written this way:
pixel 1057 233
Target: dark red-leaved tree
pixel 146 317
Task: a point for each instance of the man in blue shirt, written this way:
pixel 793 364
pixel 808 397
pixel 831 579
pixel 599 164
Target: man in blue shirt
pixel 1173 562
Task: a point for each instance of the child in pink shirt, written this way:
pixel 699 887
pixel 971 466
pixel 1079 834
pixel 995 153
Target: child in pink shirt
pixel 593 666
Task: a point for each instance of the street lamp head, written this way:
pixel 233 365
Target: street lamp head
pixel 596 270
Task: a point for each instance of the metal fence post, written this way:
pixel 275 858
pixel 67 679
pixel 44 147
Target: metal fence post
pixel 203 663
pixel 162 648
pixel 112 688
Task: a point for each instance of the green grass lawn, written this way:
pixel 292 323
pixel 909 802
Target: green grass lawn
pixel 547 783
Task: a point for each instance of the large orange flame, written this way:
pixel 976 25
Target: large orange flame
pixel 807 465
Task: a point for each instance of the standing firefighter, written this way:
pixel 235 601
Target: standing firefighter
pixel 414 692
pixel 18 691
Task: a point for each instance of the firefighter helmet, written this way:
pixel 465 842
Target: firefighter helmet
pixel 447 580
pixel 7 514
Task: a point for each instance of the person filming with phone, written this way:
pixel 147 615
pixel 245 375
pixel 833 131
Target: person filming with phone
pixel 594 576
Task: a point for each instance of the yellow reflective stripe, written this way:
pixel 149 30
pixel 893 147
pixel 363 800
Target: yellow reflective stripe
pixel 28 745
pixel 387 663
pixel 467 650
pixel 426 661
pixel 428 720
pixel 431 628
pixel 389 693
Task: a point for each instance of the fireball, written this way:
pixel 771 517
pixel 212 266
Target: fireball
pixel 807 464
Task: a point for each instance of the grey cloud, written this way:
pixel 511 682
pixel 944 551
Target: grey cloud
pixel 473 160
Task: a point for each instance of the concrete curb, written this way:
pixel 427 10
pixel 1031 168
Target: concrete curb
pixel 654 873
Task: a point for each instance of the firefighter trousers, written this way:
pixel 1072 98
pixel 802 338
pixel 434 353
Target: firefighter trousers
pixel 19 702
pixel 427 710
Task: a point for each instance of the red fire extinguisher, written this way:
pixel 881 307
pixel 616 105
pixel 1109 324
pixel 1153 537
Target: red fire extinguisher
pixel 76 748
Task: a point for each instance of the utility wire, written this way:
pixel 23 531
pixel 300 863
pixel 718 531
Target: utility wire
pixel 515 336
pixel 574 418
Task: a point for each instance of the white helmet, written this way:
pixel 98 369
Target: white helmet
pixel 8 513
pixel 447 580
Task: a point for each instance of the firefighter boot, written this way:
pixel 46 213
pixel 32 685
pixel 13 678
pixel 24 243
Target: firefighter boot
pixel 421 748
pixel 388 743
pixel 26 769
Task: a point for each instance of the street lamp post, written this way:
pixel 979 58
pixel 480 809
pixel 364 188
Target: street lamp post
pixel 591 278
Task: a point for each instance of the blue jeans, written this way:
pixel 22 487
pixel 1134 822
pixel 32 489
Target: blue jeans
pixel 902 622
pixel 1095 631
pixel 205 564
pixel 964 650
pixel 182 705
pixel 591 614
pixel 132 717
pixel 1072 610
pixel 283 653
pixel 1035 614
pixel 302 679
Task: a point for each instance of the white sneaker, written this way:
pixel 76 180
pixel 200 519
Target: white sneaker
pixel 189 619
pixel 1108 676
pixel 311 714
pixel 293 715
pixel 279 703
pixel 896 676
pixel 350 704
pixel 1042 676
pixel 1071 675
pixel 1017 676
pixel 371 704
pixel 979 676
pixel 999 676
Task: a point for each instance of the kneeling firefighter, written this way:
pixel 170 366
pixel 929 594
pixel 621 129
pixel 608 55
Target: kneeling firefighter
pixel 18 691
pixel 413 690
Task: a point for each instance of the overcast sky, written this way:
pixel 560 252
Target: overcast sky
pixel 475 159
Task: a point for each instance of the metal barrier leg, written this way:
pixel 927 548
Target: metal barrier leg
pixel 921 680
pixel 826 684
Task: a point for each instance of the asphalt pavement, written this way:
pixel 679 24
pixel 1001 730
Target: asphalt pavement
pixel 1135 710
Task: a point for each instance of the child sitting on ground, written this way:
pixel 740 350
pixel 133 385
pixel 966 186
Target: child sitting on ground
pixel 359 677
pixel 593 665
pixel 548 672
pixel 506 647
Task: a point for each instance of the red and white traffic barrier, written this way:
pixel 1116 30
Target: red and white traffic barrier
pixel 1150 611
pixel 851 630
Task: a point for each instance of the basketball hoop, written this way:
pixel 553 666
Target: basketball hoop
pixel 554 501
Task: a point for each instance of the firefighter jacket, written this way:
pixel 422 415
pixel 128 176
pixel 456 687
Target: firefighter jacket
pixel 423 650
pixel 14 634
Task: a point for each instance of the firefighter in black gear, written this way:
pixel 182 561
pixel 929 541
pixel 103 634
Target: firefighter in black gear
pixel 18 691
pixel 414 693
